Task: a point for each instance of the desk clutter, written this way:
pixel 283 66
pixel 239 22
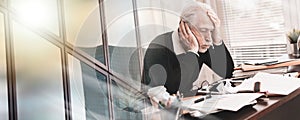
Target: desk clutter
pixel 260 86
pixel 274 66
pixel 251 83
pixel 281 62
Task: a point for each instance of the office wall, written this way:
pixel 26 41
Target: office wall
pixel 291 13
pixel 291 10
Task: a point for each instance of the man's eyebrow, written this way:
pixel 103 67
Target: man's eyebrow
pixel 206 28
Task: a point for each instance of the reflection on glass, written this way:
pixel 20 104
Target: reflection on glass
pixel 151 25
pixel 77 92
pixel 155 18
pixel 82 18
pixel 89 94
pixel 38 77
pixel 3 78
pixel 120 23
pixel 36 13
pixel 122 40
pixel 126 104
pixel 165 5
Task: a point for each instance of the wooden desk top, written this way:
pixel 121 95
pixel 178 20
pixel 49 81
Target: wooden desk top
pixel 257 111
pixel 267 107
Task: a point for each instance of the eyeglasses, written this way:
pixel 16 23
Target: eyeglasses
pixel 204 84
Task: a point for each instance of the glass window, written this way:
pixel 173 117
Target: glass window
pixel 82 18
pixel 3 78
pixel 126 104
pixel 38 77
pixel 89 94
pixel 151 22
pixel 157 17
pixel 77 91
pixel 37 13
pixel 122 42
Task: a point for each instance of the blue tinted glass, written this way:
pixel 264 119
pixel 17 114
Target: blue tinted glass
pixel 39 81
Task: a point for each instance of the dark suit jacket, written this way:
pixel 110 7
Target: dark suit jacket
pixel 177 72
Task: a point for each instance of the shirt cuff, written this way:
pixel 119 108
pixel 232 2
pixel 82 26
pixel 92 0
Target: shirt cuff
pixel 218 43
pixel 193 52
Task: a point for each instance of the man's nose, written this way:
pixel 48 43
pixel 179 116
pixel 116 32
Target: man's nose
pixel 208 38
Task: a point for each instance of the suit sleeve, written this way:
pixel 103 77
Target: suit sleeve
pixel 221 61
pixel 161 67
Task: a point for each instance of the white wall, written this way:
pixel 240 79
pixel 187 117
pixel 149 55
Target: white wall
pixel 291 13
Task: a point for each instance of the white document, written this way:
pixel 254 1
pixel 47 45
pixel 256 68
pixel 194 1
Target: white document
pixel 205 74
pixel 232 102
pixel 205 107
pixel 272 83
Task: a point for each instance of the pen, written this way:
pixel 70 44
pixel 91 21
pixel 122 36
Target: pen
pixel 200 92
pixel 202 98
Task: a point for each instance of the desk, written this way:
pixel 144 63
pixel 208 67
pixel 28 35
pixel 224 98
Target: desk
pixel 276 108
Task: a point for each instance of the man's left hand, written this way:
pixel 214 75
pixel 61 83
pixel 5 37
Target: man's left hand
pixel 216 35
pixel 217 40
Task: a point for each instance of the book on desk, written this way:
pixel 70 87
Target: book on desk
pixel 283 63
pixel 274 66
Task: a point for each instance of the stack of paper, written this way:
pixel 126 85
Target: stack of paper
pixel 274 66
pixel 280 63
pixel 247 74
pixel 261 62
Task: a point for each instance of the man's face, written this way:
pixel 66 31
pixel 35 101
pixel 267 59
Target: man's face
pixel 204 27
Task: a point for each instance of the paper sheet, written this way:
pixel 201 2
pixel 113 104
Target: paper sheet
pixel 273 83
pixel 205 74
pixel 207 106
pixel 232 102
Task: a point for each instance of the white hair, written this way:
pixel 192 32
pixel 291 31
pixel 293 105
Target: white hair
pixel 191 9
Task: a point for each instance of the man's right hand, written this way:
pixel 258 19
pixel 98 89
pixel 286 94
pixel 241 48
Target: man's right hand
pixel 216 35
pixel 187 37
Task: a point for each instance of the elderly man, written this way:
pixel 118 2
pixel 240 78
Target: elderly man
pixel 174 59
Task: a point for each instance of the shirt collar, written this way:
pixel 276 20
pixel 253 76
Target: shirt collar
pixel 178 49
